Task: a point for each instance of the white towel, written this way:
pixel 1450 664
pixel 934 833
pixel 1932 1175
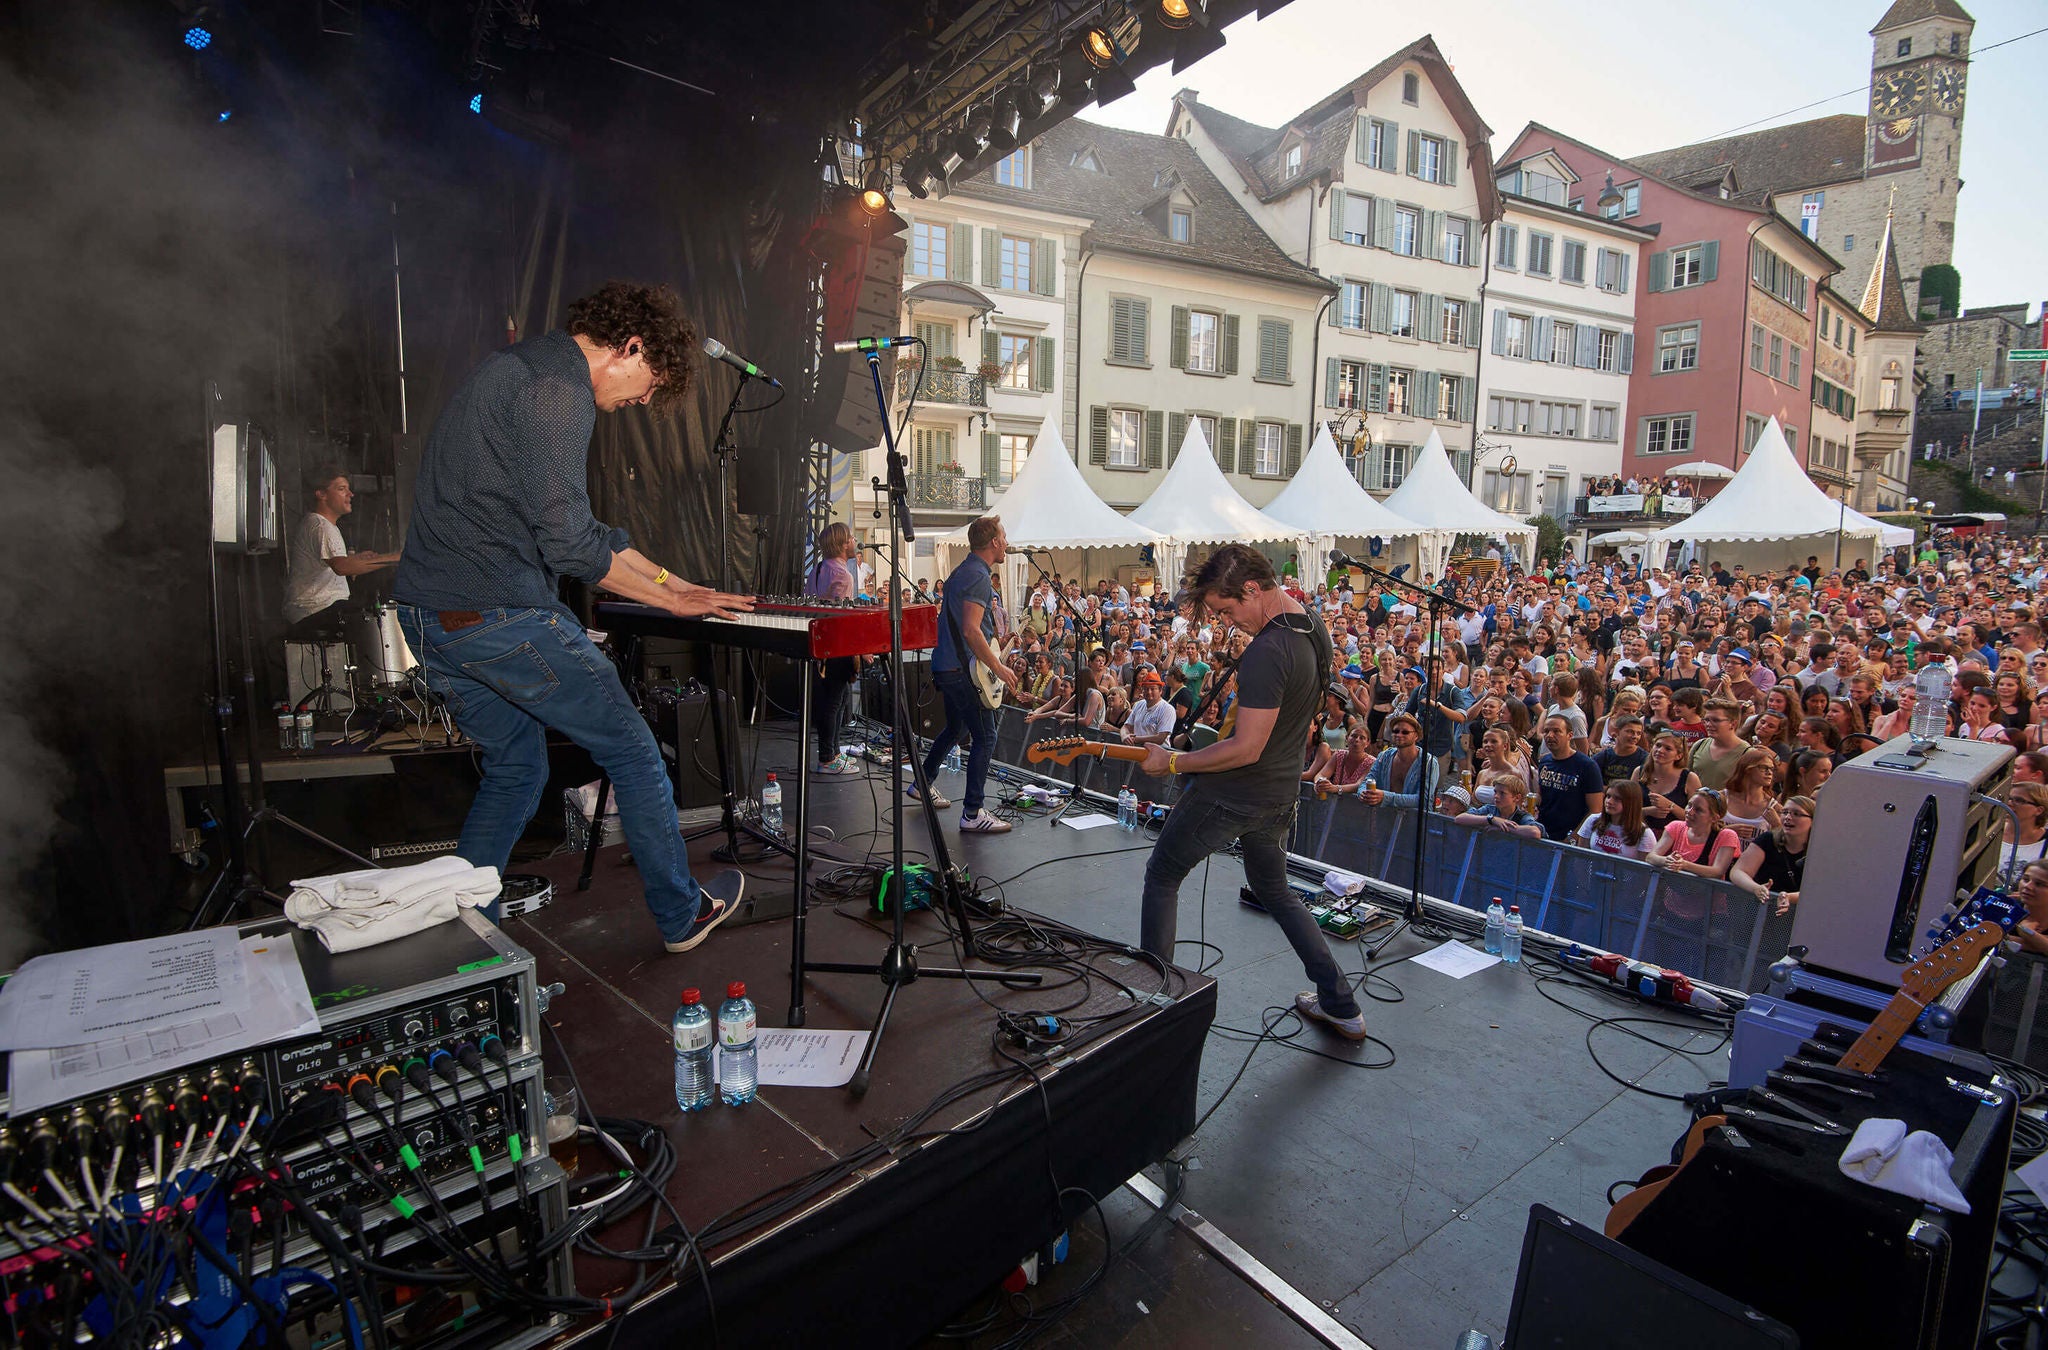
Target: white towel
pixel 1340 883
pixel 412 898
pixel 1882 1154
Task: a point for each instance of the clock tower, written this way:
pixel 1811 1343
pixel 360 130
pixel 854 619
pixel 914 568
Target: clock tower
pixel 1913 135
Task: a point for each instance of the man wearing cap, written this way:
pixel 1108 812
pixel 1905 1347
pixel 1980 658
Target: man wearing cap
pixel 1151 719
pixel 1735 682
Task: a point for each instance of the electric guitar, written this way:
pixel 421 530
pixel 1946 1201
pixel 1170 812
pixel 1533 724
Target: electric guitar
pixel 1067 749
pixel 1975 930
pixel 1623 1212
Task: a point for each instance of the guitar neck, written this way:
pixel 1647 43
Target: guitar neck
pixel 1109 750
pixel 1883 1033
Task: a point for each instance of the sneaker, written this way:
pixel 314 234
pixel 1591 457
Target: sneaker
pixel 934 800
pixel 981 822
pixel 838 766
pixel 721 898
pixel 1350 1028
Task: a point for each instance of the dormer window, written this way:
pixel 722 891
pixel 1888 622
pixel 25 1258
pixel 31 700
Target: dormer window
pixel 1411 88
pixel 1087 160
pixel 1292 161
pixel 1180 226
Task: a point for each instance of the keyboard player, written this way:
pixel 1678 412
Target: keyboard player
pixel 500 515
pixel 832 578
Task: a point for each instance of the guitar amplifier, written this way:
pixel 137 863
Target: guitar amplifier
pixel 1897 836
pixel 1765 1216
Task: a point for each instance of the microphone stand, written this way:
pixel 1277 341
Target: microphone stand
pixel 1424 800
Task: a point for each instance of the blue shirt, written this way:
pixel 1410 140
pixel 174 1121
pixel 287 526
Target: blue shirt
pixel 501 508
pixel 970 581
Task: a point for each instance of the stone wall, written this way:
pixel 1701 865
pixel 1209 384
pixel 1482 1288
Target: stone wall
pixel 1952 351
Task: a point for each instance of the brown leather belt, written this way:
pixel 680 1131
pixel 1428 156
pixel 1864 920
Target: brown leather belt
pixel 455 620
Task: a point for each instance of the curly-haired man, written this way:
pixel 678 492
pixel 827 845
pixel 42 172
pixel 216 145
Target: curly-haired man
pixel 500 514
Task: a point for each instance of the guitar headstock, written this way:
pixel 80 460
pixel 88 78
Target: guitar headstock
pixel 1987 905
pixel 1060 750
pixel 1926 979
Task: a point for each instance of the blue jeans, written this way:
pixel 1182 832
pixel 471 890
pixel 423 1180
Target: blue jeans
pixel 509 678
pixel 965 717
pixel 1201 825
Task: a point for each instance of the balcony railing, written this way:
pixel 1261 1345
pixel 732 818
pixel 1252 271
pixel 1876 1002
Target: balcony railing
pixel 943 386
pixel 948 491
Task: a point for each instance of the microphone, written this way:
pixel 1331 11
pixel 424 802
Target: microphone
pixel 718 351
pixel 1338 555
pixel 872 344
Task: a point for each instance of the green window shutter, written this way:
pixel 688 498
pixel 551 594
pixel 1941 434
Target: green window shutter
pixel 1098 435
pixel 1045 266
pixel 1155 439
pixel 1414 151
pixel 1228 356
pixel 1337 213
pixel 1429 325
pixel 1367 211
pixel 1361 150
pixel 1546 330
pixel 1468 400
pixel 1628 353
pixel 1450 163
pixel 1247 445
pixel 959 267
pixel 1500 332
pixel 1710 262
pixel 1390 144
pixel 991 258
pixel 1660 269
pixel 991 345
pixel 1383 224
pixel 1471 325
pixel 1177 351
pixel 1332 377
pixel 1283 366
pixel 1428 386
pixel 1119 328
pixel 991 456
pixel 1433 235
pixel 1141 336
pixel 1176 432
pixel 1293 464
pixel 1269 357
pixel 1376 388
pixel 1382 317
pixel 1226 443
pixel 1042 365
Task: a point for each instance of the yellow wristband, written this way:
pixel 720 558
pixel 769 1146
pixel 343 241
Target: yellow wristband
pixel 661 576
pixel 1173 761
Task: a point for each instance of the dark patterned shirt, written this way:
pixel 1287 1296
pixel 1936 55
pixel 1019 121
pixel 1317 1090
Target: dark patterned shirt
pixel 501 510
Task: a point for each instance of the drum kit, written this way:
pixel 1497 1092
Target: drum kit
pixel 378 679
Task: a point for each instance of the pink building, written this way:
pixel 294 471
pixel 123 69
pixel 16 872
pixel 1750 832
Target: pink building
pixel 1724 318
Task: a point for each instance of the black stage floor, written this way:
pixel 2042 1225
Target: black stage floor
pixel 1391 1194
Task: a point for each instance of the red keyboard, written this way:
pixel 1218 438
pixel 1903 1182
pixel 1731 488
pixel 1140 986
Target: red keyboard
pixel 804 627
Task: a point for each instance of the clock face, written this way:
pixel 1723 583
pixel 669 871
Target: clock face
pixel 1948 89
pixel 1898 93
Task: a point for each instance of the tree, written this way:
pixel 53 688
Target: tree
pixel 1941 289
pixel 1549 536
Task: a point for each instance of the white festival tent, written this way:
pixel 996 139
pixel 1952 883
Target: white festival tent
pixel 1772 506
pixel 1195 504
pixel 1432 497
pixel 1327 504
pixel 1048 505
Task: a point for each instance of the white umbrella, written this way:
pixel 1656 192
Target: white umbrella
pixel 1701 468
pixel 1616 538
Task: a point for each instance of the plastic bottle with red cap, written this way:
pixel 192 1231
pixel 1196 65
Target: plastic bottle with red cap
pixel 692 1029
pixel 737 1072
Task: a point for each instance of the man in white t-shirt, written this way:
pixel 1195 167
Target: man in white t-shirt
pixel 319 564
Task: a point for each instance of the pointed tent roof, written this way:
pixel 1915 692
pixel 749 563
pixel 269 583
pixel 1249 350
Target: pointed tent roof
pixel 1434 499
pixel 1049 505
pixel 1323 498
pixel 1884 295
pixel 1770 499
pixel 1195 504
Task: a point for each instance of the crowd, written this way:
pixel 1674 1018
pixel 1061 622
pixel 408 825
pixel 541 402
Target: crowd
pixel 1615 486
pixel 1687 718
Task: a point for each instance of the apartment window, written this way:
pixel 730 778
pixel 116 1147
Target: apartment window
pixel 1756 346
pixel 1505 412
pixel 1504 248
pixel 928 249
pixel 1604 425
pixel 1379 145
pixel 1180 225
pixel 1778 277
pixel 1752 431
pixel 1293 161
pixel 1852 342
pixel 1678 348
pixel 1208 425
pixel 1631 200
pixel 1450 397
pixel 1351 305
pixel 1398 384
pixel 1014 169
pixel 1393 468
pixel 1402 323
pixel 1266 462
pixel 937 339
pixel 1793 358
pixel 1014 353
pixel 1456 229
pixel 1564 340
pixel 1012 448
pixel 1687 266
pixel 1610 351
pixel 1537 262
pixel 1350 384
pixel 1667 435
pixel 1429 159
pixel 1777 357
pixel 1516 342
pixel 1557 419
pixel 1126 436
pixel 930 447
pixel 1276 350
pixel 1411 87
pixel 1610 271
pixel 1572 262
pixel 1454 323
pixel 1202 341
pixel 1357 219
pixel 1509 495
pixel 1848 243
pixel 1407 230
pixel 1013 265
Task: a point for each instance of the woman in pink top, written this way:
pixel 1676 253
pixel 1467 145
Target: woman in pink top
pixel 1699 844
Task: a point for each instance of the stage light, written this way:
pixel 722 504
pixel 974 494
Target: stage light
pixel 476 103
pixel 1044 84
pixel 1176 14
pixel 198 38
pixel 1194 44
pixel 874 198
pixel 1005 120
pixel 921 174
pixel 226 113
pixel 972 137
pixel 1111 85
pixel 1111 41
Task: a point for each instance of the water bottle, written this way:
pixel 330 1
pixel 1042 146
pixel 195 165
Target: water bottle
pixel 736 1075
pixel 1930 711
pixel 1511 936
pixel 954 764
pixel 771 806
pixel 1496 923
pixel 692 1027
pixel 1127 809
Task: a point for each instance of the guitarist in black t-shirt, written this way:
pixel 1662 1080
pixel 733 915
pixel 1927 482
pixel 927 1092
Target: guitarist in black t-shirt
pixel 1243 789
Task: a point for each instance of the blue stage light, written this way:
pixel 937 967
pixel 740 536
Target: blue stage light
pixel 476 103
pixel 197 38
pixel 226 113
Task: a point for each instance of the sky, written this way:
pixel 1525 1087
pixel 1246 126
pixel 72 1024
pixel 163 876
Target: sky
pixel 1631 78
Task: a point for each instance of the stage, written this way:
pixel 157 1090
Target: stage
pixel 1390 1196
